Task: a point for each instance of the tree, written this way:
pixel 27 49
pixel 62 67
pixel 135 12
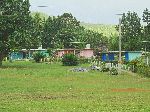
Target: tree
pixel 131 31
pixel 50 29
pixel 68 30
pixel 113 42
pixel 62 31
pixel 146 30
pixel 59 31
pixel 15 26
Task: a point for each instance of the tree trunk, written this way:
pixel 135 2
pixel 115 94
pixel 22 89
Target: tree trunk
pixel 2 56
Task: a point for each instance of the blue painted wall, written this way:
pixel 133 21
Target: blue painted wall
pixel 108 56
pixel 129 56
pixel 16 55
pixel 111 56
pixel 20 55
pixel 104 57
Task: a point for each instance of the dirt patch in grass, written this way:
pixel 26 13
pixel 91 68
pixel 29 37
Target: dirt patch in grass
pixel 130 90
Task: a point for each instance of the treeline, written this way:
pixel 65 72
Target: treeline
pixel 65 31
pixel 135 32
pixel 18 30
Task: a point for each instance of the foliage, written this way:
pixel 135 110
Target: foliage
pixel 70 60
pixel 134 65
pixel 113 42
pixel 59 31
pixel 131 31
pixel 139 66
pixel 95 39
pixel 51 52
pixel 104 68
pixel 37 56
pixel 146 29
pixel 62 31
pixel 113 71
pixel 17 27
pixel 144 70
pixel 83 60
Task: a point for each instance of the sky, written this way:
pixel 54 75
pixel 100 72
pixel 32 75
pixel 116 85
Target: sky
pixel 91 11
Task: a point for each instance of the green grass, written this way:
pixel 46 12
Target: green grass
pixel 36 87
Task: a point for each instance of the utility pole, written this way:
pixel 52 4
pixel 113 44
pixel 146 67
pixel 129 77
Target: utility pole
pixel 120 40
pixel 147 58
pixel 120 36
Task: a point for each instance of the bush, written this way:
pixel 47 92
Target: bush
pixel 104 69
pixel 134 65
pixel 144 70
pixel 37 56
pixel 113 71
pixel 140 67
pixel 83 60
pixel 70 60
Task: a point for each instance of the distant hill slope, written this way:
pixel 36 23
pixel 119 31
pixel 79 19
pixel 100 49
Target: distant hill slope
pixel 107 30
pixel 42 15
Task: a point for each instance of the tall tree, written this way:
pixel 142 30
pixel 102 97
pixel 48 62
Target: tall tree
pixel 15 25
pixel 146 30
pixel 50 29
pixel 113 42
pixel 131 31
pixel 59 31
pixel 64 30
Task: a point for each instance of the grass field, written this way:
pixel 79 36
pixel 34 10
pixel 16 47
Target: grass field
pixel 31 87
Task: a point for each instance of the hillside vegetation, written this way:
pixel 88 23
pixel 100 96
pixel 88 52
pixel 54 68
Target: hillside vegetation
pixel 107 30
pixel 41 14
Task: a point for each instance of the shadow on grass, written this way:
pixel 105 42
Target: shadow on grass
pixel 13 67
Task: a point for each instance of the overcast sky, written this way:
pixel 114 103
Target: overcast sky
pixel 91 11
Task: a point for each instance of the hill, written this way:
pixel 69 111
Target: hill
pixel 42 15
pixel 107 30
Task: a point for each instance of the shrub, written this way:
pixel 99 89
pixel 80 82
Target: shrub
pixel 113 71
pixel 104 69
pixel 70 60
pixel 83 60
pixel 140 67
pixel 144 70
pixel 134 65
pixel 37 56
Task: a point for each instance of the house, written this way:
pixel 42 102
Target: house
pixel 27 54
pixel 60 52
pixel 131 55
pixel 128 55
pixel 87 53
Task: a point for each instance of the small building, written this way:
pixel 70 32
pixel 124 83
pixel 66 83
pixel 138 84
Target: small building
pixel 17 55
pixel 131 55
pixel 128 55
pixel 109 56
pixel 61 52
pixel 87 53
pixel 26 54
